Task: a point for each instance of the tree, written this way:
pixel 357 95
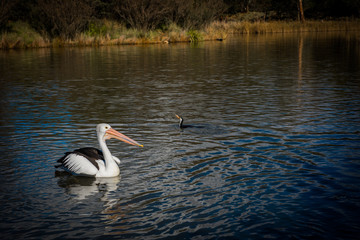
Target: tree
pixel 202 12
pixel 149 14
pixel 142 14
pixel 5 10
pixel 65 18
pixel 301 11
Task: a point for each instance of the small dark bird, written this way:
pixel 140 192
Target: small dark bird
pixel 182 125
pixel 181 120
pixel 195 128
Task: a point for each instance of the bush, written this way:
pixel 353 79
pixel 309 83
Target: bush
pixel 21 35
pixel 5 10
pixel 142 14
pixel 65 18
pixel 194 36
pixel 151 14
pixel 97 29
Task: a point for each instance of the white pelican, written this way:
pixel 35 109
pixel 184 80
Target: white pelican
pixel 92 162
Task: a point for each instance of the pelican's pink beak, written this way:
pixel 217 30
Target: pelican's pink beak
pixel 112 133
pixel 177 116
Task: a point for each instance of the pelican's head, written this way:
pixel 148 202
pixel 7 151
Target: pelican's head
pixel 181 120
pixel 105 132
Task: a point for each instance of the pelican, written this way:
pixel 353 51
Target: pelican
pixel 92 162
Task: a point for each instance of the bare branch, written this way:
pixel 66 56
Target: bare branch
pixel 66 17
pixel 142 14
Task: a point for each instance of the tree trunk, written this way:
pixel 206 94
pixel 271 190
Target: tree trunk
pixel 301 11
pixel 247 6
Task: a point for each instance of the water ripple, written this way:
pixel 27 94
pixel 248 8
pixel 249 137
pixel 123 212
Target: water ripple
pixel 273 153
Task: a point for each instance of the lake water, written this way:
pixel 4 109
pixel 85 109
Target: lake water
pixel 273 151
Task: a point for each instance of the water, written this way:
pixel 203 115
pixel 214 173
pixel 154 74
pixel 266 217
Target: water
pixel 274 151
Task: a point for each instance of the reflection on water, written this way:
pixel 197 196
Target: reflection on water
pixel 274 151
pixel 81 188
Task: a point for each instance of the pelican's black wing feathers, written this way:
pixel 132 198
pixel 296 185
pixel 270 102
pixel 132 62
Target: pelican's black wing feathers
pixel 90 153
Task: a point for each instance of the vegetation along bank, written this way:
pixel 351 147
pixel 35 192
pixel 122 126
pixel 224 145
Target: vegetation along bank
pixel 56 23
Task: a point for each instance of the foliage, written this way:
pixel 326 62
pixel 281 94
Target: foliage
pixel 97 29
pixel 194 36
pixel 65 18
pixel 142 14
pixel 151 14
pixel 288 9
pixel 95 22
pixel 21 35
pixel 195 14
pixel 5 11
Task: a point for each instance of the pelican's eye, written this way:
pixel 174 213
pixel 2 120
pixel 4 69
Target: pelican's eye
pixel 106 127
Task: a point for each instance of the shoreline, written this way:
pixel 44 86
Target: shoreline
pixel 23 36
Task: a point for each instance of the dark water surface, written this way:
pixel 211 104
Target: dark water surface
pixel 274 151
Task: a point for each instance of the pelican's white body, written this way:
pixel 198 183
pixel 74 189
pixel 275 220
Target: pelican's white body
pixel 81 166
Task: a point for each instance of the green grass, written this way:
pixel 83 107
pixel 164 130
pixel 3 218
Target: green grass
pixel 195 36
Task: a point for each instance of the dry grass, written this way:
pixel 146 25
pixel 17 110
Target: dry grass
pixel 105 32
pixel 258 27
pixel 22 36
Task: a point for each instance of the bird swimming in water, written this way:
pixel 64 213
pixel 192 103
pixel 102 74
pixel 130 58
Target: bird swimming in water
pixel 181 120
pixel 182 125
pixel 92 162
pixel 200 128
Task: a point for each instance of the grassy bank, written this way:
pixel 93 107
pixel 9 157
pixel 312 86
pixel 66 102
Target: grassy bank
pixel 245 27
pixel 105 32
pixel 21 35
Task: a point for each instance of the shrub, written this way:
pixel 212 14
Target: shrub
pixel 151 14
pixel 194 36
pixel 5 10
pixel 65 18
pixel 142 14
